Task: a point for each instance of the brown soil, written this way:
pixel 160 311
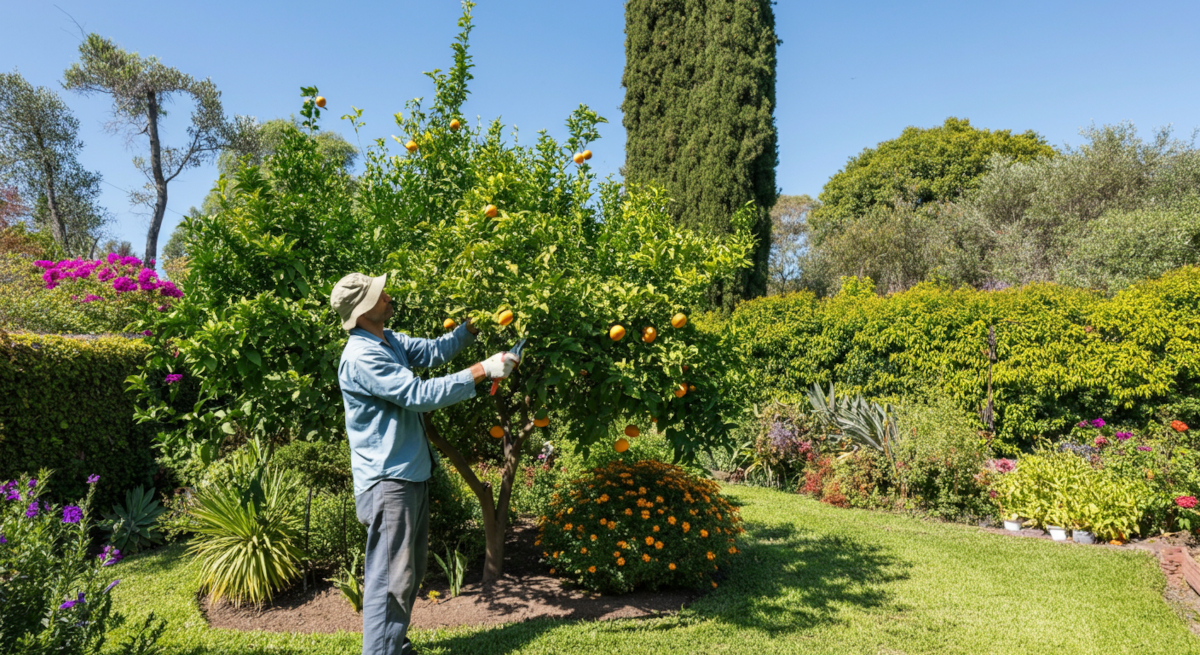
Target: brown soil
pixel 525 592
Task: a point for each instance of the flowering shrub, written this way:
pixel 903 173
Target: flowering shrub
pixel 641 525
pixel 54 595
pixel 114 291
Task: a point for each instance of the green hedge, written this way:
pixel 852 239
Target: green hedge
pixel 1063 354
pixel 63 406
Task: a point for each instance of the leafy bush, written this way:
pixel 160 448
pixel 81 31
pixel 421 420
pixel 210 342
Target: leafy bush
pixel 784 441
pixel 134 525
pixel 1062 354
pixel 54 595
pixel 63 406
pixel 247 530
pixel 349 581
pixel 939 461
pixel 640 525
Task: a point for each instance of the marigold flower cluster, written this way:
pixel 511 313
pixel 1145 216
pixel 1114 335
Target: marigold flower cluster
pixel 639 525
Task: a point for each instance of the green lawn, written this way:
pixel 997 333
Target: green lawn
pixel 812 579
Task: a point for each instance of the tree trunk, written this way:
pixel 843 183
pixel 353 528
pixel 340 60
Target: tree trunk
pixel 160 182
pixel 58 227
pixel 495 510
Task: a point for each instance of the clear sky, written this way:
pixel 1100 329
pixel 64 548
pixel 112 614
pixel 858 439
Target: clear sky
pixel 850 74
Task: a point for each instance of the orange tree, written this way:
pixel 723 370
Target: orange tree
pixel 466 224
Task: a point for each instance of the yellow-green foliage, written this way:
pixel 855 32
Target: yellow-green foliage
pixel 63 406
pixel 1063 354
pixel 639 525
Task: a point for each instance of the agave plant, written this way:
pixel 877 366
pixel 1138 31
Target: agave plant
pixel 247 538
pixel 134 525
pixel 350 582
pixel 856 420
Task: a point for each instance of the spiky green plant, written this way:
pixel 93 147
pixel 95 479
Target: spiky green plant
pixel 247 539
pixel 455 567
pixel 856 420
pixel 134 525
pixel 349 581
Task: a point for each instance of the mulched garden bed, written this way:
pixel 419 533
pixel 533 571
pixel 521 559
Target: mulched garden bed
pixel 525 592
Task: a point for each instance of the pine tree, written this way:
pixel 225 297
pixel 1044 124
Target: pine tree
pixel 699 115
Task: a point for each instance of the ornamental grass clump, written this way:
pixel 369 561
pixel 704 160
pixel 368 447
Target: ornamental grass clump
pixel 639 525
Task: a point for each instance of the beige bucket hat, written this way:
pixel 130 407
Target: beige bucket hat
pixel 355 295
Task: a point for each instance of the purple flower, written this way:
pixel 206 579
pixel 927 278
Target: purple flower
pixel 123 284
pixel 109 556
pixel 41 263
pixel 93 479
pixel 72 603
pixel 173 378
pixel 1123 436
pixel 1081 424
pixel 3 540
pixel 111 585
pixel 32 483
pixel 147 333
pixel 1145 449
pixel 163 308
pixel 113 258
pixel 91 297
pixel 13 495
pixel 105 275
pixel 51 285
pixel 1097 422
pixel 169 289
pixel 147 275
pixel 131 261
pixel 32 511
pixel 72 514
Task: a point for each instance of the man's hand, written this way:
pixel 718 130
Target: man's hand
pixel 499 365
pixel 471 328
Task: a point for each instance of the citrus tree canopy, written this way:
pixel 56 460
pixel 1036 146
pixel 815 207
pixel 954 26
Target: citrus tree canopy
pixel 466 224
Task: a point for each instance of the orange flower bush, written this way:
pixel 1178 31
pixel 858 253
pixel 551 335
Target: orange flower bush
pixel 645 543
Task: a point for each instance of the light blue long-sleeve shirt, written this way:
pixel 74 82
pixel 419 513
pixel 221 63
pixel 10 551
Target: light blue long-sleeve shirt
pixel 384 400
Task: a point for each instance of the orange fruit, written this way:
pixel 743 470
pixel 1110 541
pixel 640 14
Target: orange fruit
pixel 691 388
pixel 632 430
pixel 616 332
pixel 583 371
pixel 496 431
pixel 621 446
pixel 679 320
pixel 541 422
pixel 685 367
pixel 578 158
pixel 490 211
pixel 587 154
pixel 454 125
pixel 505 317
pixel 648 334
pixel 449 324
pixel 320 101
pixel 411 146
pixel 681 390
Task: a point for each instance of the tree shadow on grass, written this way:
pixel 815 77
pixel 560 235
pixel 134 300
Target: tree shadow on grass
pixel 786 580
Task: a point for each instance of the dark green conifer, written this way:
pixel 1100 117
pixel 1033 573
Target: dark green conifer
pixel 699 115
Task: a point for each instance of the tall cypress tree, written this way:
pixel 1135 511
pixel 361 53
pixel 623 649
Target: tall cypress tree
pixel 699 115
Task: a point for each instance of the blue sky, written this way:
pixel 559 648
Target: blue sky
pixel 850 74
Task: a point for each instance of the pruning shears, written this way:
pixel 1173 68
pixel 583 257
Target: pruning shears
pixel 516 350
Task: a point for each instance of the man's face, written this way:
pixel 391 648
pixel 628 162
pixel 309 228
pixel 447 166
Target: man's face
pixel 382 310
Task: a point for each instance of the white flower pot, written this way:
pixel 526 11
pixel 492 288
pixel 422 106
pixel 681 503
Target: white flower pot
pixel 1057 533
pixel 1083 537
pixel 1013 525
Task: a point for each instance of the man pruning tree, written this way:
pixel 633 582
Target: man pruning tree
pixel 390 456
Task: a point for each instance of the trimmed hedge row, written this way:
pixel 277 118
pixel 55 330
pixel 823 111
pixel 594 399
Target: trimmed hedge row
pixel 1062 354
pixel 63 406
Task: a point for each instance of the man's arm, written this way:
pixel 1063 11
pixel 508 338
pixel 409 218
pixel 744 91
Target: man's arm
pixel 383 378
pixel 427 353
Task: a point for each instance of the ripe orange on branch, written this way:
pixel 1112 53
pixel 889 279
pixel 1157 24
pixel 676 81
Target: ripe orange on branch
pixel 587 154
pixel 411 146
pixel 541 422
pixel 577 158
pixel 490 211
pixel 649 334
pixel 681 390
pixel 616 332
pixel 449 324
pixel 505 317
pixel 621 445
pixel 320 101
pixel 679 320
pixel 632 430
pixel 496 431
pixel 454 125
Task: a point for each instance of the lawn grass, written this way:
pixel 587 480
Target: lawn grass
pixel 812 579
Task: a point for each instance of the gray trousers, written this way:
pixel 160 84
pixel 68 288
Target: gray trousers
pixel 396 513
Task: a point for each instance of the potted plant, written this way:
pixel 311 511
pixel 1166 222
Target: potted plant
pixel 1056 521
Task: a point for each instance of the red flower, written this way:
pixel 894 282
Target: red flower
pixel 1186 502
pixel 1179 426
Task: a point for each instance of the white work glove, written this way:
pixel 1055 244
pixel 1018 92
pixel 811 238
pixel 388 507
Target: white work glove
pixel 499 365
